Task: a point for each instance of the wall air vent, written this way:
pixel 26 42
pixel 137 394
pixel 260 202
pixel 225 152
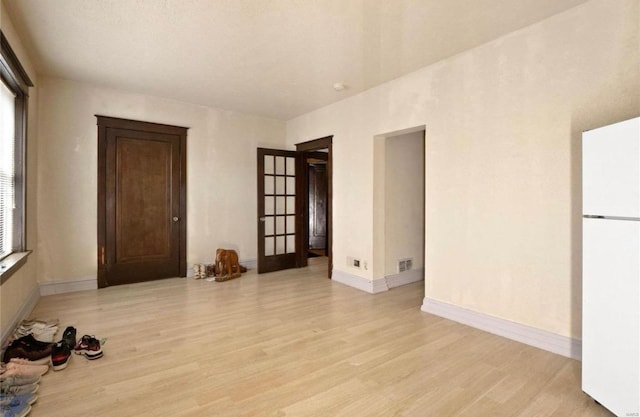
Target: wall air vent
pixel 405 264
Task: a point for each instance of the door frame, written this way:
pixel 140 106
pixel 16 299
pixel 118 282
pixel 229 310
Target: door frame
pixel 104 124
pixel 302 225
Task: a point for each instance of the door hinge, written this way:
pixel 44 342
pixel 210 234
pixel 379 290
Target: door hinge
pixel 102 256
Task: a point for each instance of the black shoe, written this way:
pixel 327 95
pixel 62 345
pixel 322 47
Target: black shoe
pixel 31 342
pixel 27 347
pixel 60 355
pixel 69 337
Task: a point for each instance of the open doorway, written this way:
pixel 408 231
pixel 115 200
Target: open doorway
pixel 399 207
pixel 317 197
pixel 316 202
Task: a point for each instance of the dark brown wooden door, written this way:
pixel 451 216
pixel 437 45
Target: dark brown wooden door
pixel 317 174
pixel 144 214
pixel 277 210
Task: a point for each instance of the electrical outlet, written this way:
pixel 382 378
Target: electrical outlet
pixel 353 262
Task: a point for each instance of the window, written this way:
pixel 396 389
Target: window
pixel 7 181
pixel 14 87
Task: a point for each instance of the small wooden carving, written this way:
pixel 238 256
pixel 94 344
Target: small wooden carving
pixel 227 265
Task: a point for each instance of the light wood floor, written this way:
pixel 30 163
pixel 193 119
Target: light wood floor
pixel 293 343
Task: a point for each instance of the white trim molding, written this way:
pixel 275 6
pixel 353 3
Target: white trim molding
pixel 23 313
pixel 562 345
pixel 247 263
pixel 363 284
pixel 378 285
pixel 61 287
pixel 404 278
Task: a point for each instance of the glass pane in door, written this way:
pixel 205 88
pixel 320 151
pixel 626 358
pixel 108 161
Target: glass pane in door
pixel 280 167
pixel 280 249
pixel 268 164
pixel 268 246
pixel 280 225
pixel 291 243
pixel 280 185
pixel 268 184
pixel 291 166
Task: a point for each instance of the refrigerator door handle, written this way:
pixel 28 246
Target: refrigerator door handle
pixel 593 216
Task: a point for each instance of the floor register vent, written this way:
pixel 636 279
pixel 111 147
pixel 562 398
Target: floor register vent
pixel 405 264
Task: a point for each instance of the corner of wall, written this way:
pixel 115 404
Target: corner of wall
pixel 22 312
pixel 363 284
pixel 404 278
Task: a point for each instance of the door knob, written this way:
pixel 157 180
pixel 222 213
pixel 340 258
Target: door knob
pixel 175 219
pixel 262 219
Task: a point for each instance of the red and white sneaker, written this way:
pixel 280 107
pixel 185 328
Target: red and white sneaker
pixel 88 346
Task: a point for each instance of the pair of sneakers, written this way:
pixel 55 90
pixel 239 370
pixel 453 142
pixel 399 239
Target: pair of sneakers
pixel 18 384
pixel 199 271
pixel 27 347
pixel 18 367
pixel 89 347
pixel 16 405
pixel 43 330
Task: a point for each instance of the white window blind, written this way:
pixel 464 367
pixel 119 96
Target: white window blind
pixel 7 170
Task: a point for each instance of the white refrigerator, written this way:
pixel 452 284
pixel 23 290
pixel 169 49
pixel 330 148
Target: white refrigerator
pixel 611 266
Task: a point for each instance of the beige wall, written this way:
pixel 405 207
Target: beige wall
pixel 221 173
pixel 404 201
pixel 503 126
pixel 23 283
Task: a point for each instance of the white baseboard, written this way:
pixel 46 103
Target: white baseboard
pixel 61 287
pixel 247 263
pixel 404 278
pixel 378 285
pixel 190 271
pixel 363 284
pixel 562 345
pixel 22 313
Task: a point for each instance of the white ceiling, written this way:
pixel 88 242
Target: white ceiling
pixel 276 58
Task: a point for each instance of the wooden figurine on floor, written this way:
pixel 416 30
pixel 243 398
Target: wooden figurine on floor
pixel 227 265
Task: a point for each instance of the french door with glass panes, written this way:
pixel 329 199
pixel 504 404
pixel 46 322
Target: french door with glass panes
pixel 277 210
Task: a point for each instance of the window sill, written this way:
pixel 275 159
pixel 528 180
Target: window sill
pixel 11 264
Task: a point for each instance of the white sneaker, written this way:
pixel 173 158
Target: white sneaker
pixel 21 361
